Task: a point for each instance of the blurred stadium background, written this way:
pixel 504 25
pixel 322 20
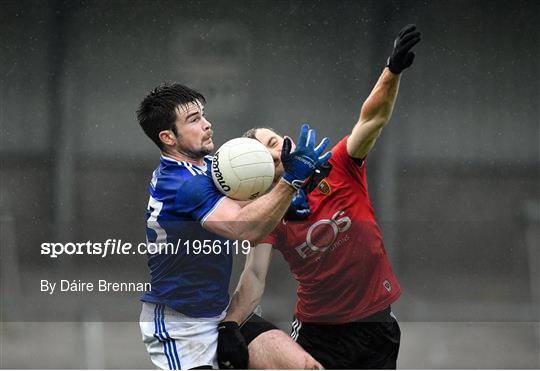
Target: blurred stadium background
pixel 455 177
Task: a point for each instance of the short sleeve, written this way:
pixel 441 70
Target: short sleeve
pixel 274 237
pixel 271 239
pixel 197 197
pixel 345 164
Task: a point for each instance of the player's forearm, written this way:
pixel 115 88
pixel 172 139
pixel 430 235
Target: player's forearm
pixel 375 113
pixel 246 297
pixel 378 106
pixel 261 216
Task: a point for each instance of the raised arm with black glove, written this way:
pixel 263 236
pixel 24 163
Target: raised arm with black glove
pixel 377 108
pixel 402 56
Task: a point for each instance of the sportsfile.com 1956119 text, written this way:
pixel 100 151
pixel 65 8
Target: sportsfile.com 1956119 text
pixel 118 247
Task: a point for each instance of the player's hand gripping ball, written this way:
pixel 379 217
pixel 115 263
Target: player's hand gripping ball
pixel 243 169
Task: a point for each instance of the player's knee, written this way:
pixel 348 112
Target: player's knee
pixel 274 336
pixel 276 350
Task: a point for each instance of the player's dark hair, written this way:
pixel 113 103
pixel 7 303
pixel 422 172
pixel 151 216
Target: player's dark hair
pixel 157 111
pixel 251 132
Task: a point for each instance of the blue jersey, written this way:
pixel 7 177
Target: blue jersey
pixel 182 195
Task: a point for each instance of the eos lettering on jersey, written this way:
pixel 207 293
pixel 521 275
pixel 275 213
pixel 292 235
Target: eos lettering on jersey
pixel 324 234
pixel 218 175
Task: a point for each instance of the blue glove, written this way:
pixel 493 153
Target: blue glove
pixel 299 208
pixel 300 164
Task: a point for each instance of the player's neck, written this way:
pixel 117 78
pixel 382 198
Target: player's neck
pixel 183 157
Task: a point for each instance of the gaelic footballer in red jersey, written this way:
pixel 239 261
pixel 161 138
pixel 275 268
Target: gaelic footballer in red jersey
pixel 334 246
pixel 337 253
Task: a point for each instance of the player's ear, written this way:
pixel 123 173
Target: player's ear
pixel 167 137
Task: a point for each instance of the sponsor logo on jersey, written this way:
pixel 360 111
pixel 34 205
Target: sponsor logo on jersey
pixel 218 175
pixel 387 285
pixel 323 235
pixel 324 187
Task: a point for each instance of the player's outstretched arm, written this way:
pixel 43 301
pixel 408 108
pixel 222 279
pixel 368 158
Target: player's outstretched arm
pixel 272 349
pixel 252 222
pixel 232 349
pixel 250 287
pixel 377 108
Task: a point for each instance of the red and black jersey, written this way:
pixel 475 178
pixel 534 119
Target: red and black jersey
pixel 337 254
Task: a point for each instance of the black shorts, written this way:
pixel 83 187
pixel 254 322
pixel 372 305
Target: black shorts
pixel 254 326
pixel 372 343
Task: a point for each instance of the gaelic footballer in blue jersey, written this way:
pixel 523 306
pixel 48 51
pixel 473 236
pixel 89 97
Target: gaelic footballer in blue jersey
pixel 189 292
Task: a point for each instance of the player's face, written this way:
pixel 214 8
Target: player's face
pixel 194 138
pixel 274 143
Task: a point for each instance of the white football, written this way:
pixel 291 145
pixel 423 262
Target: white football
pixel 243 169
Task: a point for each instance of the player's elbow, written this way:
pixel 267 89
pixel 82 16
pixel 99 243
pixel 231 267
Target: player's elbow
pixel 233 230
pixel 253 233
pixel 253 237
pixel 247 234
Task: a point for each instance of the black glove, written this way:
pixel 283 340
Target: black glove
pixel 232 350
pixel 402 57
